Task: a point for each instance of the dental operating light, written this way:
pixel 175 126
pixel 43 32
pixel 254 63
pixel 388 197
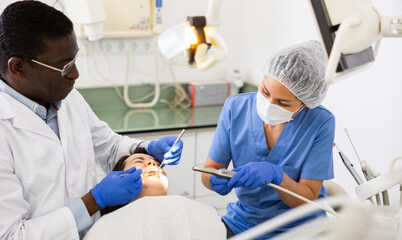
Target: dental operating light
pixel 197 24
pixel 348 31
pixel 196 42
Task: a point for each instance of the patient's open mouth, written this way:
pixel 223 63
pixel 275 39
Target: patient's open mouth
pixel 152 172
pixel 149 172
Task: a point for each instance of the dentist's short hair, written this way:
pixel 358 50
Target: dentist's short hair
pixel 121 163
pixel 23 27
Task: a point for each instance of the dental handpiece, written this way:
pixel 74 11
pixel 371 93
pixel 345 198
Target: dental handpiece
pixel 368 172
pixel 349 166
pixel 229 174
pixel 220 173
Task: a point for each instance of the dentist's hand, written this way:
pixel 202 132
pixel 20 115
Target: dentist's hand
pixel 160 149
pixel 115 190
pixel 256 174
pixel 220 185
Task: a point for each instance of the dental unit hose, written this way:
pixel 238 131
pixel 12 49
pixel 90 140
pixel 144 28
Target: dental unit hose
pixel 369 173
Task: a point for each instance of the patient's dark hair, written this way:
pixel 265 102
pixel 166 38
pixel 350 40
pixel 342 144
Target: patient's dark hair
pixel 119 166
pixel 23 27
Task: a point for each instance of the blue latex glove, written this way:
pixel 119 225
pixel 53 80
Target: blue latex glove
pixel 219 184
pixel 115 190
pixel 256 174
pixel 160 149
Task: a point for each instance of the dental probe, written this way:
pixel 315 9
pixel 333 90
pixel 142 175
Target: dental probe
pixel 177 140
pixel 162 164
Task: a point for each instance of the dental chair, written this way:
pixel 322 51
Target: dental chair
pixel 353 220
pixel 334 189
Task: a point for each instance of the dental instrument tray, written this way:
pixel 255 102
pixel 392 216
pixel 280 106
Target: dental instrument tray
pixel 219 173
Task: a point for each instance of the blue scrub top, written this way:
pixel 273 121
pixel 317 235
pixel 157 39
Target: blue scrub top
pixel 303 150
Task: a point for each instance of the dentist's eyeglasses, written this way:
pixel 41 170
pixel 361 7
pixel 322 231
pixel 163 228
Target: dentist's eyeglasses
pixel 66 69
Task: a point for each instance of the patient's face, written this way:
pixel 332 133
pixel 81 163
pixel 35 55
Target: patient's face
pixel 152 184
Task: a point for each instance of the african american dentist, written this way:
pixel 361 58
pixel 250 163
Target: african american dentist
pixel 50 139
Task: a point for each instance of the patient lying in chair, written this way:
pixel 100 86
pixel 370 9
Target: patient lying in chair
pixel 154 215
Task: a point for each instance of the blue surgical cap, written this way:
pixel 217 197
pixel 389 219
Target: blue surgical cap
pixel 301 69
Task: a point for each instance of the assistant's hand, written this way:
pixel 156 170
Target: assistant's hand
pixel 115 190
pixel 160 149
pixel 220 185
pixel 256 174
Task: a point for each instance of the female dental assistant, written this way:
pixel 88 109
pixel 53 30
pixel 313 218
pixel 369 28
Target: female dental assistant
pixel 281 135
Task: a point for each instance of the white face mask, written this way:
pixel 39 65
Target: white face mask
pixel 273 114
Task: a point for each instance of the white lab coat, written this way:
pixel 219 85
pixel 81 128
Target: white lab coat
pixel 40 174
